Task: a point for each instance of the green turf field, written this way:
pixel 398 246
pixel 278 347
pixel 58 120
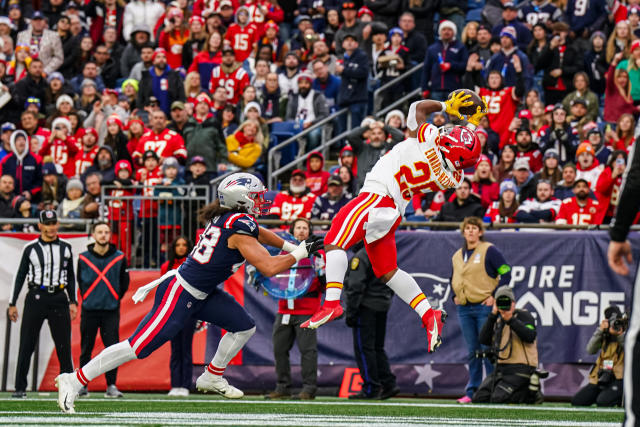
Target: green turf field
pixel 158 409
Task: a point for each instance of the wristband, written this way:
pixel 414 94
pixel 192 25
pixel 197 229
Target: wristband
pixel 444 107
pixel 288 246
pixel 412 123
pixel 471 126
pixel 300 252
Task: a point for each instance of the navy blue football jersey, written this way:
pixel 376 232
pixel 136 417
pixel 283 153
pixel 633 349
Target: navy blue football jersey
pixel 212 262
pixel 534 14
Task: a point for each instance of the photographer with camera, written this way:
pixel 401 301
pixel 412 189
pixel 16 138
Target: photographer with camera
pixel 511 335
pixel 605 380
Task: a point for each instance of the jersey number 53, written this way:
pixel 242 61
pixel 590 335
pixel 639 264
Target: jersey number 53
pixel 416 181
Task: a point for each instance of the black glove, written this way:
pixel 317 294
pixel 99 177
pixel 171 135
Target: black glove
pixel 313 244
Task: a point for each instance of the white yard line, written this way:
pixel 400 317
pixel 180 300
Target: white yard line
pixel 346 403
pixel 170 418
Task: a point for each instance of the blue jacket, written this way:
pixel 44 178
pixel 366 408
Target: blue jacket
pixel 98 293
pixel 329 89
pixel 353 87
pixel 27 172
pixel 499 59
pixel 455 54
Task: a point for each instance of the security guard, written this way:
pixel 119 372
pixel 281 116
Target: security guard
pixel 47 266
pixel 102 281
pixel 368 301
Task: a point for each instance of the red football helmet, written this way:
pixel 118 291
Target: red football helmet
pixel 459 146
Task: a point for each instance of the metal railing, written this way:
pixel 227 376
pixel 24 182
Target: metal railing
pixel 66 225
pixel 414 93
pixel 145 220
pixel 403 76
pixel 274 151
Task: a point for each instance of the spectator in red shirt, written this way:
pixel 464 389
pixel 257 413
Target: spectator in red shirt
pixel 609 184
pixel 580 209
pixel 316 177
pixel 525 147
pixel 296 202
pixel 623 137
pixel 209 58
pixel 617 96
pixel 149 176
pixel 87 154
pixel 242 35
pixel 121 211
pixel 229 75
pixel 504 210
pixel 483 184
pixel 61 147
pixel 173 37
pixel 164 142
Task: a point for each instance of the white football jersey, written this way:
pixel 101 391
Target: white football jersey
pixel 413 166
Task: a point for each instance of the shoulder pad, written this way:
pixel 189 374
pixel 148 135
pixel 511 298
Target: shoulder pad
pixel 242 223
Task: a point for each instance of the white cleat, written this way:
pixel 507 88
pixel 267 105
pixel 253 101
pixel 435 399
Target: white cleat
pixel 208 382
pixel 67 392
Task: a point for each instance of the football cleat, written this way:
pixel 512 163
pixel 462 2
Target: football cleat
pixel 433 324
pixel 323 315
pixel 208 382
pixel 67 392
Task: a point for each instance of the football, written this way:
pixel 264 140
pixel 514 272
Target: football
pixel 470 110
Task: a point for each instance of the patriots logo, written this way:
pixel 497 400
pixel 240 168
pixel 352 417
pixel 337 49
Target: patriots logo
pixel 240 181
pixel 437 288
pixel 249 223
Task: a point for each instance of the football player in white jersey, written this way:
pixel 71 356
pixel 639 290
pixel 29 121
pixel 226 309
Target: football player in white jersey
pixel 430 160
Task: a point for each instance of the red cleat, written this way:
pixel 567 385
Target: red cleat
pixel 433 322
pixel 323 315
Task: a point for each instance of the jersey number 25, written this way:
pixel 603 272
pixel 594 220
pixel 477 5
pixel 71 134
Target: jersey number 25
pixel 207 244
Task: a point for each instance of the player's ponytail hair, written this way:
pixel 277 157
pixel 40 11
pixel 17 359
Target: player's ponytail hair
pixel 212 210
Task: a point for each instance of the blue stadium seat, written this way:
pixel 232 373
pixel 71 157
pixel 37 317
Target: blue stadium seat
pixel 474 4
pixel 270 195
pixel 280 132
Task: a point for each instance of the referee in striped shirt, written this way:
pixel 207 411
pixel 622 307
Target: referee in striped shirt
pixel 47 268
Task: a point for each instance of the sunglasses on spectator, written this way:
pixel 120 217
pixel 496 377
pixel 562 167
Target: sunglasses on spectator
pixel 32 100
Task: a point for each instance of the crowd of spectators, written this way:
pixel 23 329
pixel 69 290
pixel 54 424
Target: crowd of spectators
pixel 106 92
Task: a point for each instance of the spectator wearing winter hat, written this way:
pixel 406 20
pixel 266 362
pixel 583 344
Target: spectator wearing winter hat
pixel 169 210
pixel 57 87
pixel 53 185
pixel 560 136
pixel 444 64
pixel 46 42
pixel 22 209
pixel 196 41
pixel 365 14
pixel 582 91
pixel 6 130
pixel 523 34
pixel 149 175
pixel 85 157
pixel 504 210
pixel 316 177
pixel 61 146
pixel 88 96
pixel 597 142
pixel 393 62
pixel 483 184
pixel 141 14
pixel 551 170
pixel 395 119
pixel 387 12
pixel 72 203
pixel 162 82
pixel 307 108
pixel 588 166
pixel 505 63
pixel 202 136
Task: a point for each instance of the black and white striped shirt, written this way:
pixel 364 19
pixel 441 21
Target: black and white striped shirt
pixel 48 265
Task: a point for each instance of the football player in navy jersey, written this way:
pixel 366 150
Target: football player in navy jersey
pixel 231 236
